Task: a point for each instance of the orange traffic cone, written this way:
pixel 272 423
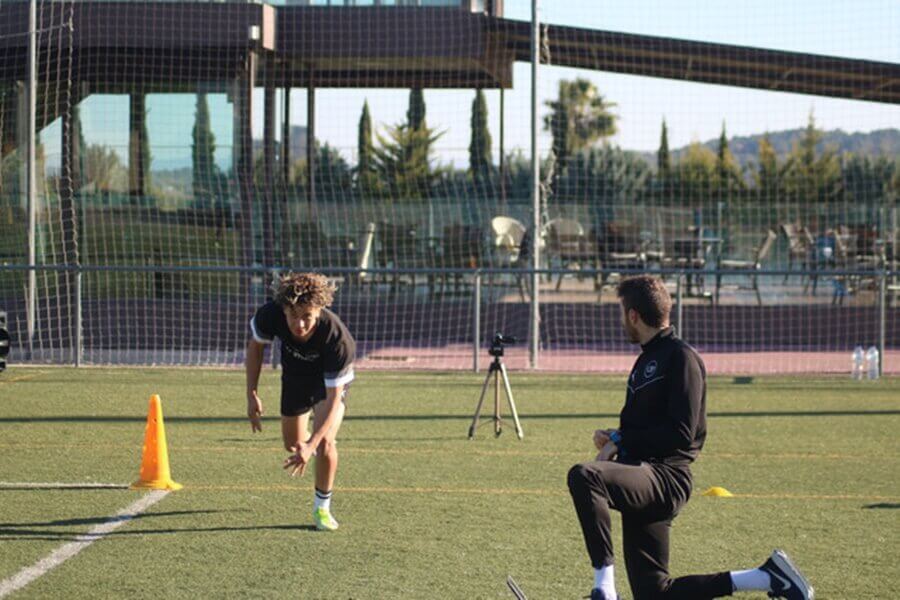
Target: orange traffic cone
pixel 155 462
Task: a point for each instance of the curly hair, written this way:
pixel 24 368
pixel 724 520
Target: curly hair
pixel 303 289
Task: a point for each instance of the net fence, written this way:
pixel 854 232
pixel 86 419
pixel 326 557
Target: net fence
pixel 186 152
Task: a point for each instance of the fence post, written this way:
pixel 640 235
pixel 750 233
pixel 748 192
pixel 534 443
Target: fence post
pixel 535 308
pixel 79 340
pixel 476 321
pixel 31 176
pixel 679 310
pixel 882 303
pixel 274 348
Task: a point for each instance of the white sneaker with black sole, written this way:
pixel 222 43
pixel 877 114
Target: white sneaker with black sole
pixel 787 580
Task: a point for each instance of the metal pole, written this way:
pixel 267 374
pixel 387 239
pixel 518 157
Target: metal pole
pixel 502 151
pixel 286 135
pixel 282 202
pixel 311 148
pixel 79 340
pixel 274 353
pixel 535 190
pixel 137 107
pixel 243 108
pixel 679 299
pixel 882 302
pixel 476 322
pixel 268 208
pixel 30 176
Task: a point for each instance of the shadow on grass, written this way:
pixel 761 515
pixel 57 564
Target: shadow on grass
pixel 98 520
pixel 22 534
pixel 442 417
pixel 887 505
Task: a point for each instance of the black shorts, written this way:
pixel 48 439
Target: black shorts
pixel 299 398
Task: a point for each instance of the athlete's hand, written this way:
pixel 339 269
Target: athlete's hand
pixel 601 436
pixel 254 411
pixel 608 452
pixel 297 462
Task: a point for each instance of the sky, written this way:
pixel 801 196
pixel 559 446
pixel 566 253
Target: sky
pixel 865 29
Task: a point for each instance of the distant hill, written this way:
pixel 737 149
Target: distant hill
pixel 882 142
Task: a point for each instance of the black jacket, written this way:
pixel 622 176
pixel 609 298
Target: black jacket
pixel 664 417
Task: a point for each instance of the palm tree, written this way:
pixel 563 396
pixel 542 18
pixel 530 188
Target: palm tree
pixel 580 115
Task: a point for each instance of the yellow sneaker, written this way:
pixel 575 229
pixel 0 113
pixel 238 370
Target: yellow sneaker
pixel 323 519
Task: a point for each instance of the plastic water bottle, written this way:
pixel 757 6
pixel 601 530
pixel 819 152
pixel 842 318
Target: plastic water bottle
pixel 872 361
pixel 858 366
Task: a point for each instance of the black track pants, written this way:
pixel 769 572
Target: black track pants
pixel 649 497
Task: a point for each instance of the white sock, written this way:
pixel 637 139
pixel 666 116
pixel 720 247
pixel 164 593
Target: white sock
pixel 323 500
pixel 605 581
pixel 753 579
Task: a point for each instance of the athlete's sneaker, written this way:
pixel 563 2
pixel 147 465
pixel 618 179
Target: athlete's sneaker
pixel 787 580
pixel 597 594
pixel 323 519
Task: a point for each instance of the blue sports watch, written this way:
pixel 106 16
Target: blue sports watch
pixel 616 437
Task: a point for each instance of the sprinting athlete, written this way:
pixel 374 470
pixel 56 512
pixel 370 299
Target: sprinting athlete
pixel 317 353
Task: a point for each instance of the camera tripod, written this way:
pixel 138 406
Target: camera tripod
pixel 498 370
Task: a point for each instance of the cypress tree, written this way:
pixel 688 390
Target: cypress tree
pixel 480 145
pixel 663 158
pixel 365 166
pixel 203 150
pixel 415 115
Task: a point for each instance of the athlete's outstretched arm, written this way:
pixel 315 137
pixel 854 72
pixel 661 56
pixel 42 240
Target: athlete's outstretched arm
pixel 253 366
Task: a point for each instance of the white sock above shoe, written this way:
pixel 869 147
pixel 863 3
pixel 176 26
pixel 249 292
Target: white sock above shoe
pixel 322 500
pixel 752 579
pixel 605 581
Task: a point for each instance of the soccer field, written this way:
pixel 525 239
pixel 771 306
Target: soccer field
pixel 425 512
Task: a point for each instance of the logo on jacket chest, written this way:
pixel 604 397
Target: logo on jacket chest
pixel 298 354
pixel 650 369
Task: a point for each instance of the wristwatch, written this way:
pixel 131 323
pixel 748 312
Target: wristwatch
pixel 616 437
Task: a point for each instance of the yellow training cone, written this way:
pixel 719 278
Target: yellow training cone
pixel 718 492
pixel 155 462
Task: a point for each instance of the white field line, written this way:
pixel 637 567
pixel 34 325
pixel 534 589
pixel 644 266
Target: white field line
pixel 59 485
pixel 67 551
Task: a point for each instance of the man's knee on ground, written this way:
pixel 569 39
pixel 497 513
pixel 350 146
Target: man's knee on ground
pixel 652 588
pixel 578 477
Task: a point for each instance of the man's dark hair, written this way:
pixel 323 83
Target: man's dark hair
pixel 648 296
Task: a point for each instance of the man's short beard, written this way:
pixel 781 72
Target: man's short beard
pixel 631 333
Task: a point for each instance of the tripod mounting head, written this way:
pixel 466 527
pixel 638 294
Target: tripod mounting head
pixel 498 344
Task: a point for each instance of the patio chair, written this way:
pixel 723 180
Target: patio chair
pixel 399 247
pixel 461 248
pixel 508 238
pixel 687 252
pixel 365 255
pixel 751 266
pixel 507 234
pixel 619 246
pixel 854 249
pixel 800 246
pixel 568 244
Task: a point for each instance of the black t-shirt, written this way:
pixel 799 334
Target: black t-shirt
pixel 664 417
pixel 326 359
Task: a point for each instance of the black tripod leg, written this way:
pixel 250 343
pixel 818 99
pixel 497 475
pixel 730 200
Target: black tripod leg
pixel 498 422
pixel 512 403
pixel 474 424
pixel 514 588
